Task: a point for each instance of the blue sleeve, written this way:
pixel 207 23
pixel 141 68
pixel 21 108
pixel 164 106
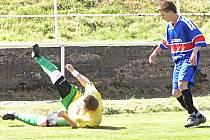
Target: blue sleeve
pixel 194 34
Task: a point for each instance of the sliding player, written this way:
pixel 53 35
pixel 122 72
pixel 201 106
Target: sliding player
pixel 80 110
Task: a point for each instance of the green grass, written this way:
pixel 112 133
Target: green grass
pixel 133 119
pixel 149 126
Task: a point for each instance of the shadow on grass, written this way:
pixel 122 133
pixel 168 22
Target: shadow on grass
pixel 206 126
pixel 17 126
pixel 110 128
pixel 100 127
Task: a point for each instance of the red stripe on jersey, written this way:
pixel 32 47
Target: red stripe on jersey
pixel 166 44
pixel 181 47
pixel 199 38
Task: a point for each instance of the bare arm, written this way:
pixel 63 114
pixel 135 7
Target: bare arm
pixel 67 118
pixel 81 78
pixel 193 57
pixel 152 57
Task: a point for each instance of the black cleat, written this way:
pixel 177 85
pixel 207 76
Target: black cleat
pixel 191 121
pixel 36 51
pixel 8 116
pixel 201 118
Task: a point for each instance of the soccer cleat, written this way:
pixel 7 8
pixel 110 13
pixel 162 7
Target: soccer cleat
pixel 9 116
pixel 202 119
pixel 191 121
pixel 36 51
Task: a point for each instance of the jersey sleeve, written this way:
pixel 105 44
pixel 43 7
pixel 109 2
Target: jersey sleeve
pixel 164 45
pixel 194 34
pixel 90 89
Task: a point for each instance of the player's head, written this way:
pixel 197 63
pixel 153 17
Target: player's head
pixel 167 10
pixel 91 103
pixel 167 6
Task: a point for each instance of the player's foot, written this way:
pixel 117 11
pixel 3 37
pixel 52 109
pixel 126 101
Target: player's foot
pixel 9 116
pixel 201 118
pixel 36 51
pixel 192 121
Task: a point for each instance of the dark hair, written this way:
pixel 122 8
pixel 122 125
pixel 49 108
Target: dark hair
pixel 167 6
pixel 91 103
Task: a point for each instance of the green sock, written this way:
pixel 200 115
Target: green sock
pixel 46 65
pixel 28 119
pixel 68 99
pixel 61 122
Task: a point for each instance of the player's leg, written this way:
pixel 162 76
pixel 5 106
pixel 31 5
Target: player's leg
pixel 195 117
pixel 175 89
pixel 179 97
pixel 66 90
pixel 49 68
pixel 186 80
pixel 33 120
pixel 187 98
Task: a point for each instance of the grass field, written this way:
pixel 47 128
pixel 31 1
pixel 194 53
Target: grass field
pixel 150 124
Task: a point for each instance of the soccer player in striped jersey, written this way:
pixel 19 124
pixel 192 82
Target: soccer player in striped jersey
pixel 184 40
pixel 80 109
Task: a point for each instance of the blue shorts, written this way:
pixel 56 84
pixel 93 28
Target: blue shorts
pixel 183 71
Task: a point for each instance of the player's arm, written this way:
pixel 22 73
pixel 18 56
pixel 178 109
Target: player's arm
pixel 193 57
pixel 81 78
pixel 67 118
pixel 196 37
pixel 153 55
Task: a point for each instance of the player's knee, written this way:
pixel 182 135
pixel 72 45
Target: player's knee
pixel 42 121
pixel 176 93
pixel 182 85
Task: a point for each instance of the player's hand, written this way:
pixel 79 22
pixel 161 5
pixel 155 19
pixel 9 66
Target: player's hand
pixel 193 59
pixel 60 113
pixel 69 67
pixel 152 58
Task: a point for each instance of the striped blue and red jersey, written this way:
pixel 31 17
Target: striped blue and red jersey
pixel 182 38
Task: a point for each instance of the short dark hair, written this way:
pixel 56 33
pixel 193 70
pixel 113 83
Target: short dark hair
pixel 91 103
pixel 167 6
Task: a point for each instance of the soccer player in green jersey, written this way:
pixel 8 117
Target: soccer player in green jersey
pixel 80 109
